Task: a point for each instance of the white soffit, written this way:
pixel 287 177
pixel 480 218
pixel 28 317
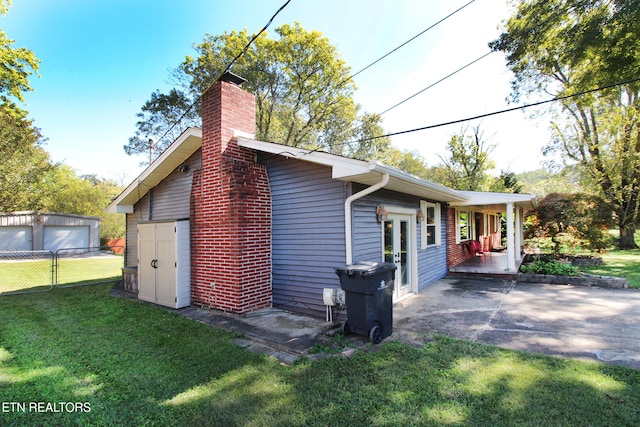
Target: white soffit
pixel 177 153
pixel 360 171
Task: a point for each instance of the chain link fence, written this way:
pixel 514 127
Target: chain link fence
pixel 37 271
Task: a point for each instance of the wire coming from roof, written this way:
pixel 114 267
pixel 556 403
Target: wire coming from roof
pixel 228 68
pixel 507 110
pixel 246 47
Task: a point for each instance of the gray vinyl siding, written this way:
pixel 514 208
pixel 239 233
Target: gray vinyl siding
pixel 307 233
pixel 170 200
pixel 367 235
pixel 432 261
pixel 172 197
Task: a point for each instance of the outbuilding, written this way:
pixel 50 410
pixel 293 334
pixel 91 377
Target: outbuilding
pixel 49 231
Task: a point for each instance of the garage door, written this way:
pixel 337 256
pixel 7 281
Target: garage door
pixel 15 239
pixel 65 238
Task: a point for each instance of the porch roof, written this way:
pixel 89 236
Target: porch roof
pixel 489 202
pixel 362 172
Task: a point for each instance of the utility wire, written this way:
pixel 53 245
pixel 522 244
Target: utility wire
pixel 433 84
pixel 225 70
pixel 521 107
pixel 407 42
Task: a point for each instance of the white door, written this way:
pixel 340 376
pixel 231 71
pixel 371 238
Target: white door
pixel 146 258
pixel 165 264
pixel 398 240
pixel 65 237
pixel 157 263
pixel 16 239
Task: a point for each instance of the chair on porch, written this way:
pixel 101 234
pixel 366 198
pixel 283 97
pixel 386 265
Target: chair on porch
pixel 486 244
pixel 475 248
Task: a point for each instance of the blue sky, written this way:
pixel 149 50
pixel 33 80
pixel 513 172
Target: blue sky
pixel 101 60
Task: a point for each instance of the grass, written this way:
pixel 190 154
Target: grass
pixel 619 264
pixel 136 364
pixel 37 274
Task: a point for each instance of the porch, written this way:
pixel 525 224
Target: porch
pixel 492 263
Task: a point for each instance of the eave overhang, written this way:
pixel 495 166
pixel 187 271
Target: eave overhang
pixel 360 171
pixel 177 153
pixel 488 202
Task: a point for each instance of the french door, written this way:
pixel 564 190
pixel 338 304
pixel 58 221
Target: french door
pixel 398 241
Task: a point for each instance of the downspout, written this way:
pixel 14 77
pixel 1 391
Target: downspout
pixel 347 214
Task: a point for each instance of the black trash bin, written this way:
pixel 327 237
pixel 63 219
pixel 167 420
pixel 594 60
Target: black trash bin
pixel 368 288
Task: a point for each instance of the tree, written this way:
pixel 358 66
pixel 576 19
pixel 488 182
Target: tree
pixel 580 216
pixel 304 96
pixel 546 181
pixel 17 65
pixel 565 47
pixel 85 195
pixel 24 165
pixel 468 161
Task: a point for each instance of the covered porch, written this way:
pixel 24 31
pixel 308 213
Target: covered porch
pixel 477 214
pixel 490 263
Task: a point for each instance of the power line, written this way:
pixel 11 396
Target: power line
pixel 521 107
pixel 433 84
pixel 225 70
pixel 407 42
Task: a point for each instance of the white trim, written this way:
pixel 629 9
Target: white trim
pixel 180 150
pixel 413 243
pixel 470 226
pixel 348 229
pixel 424 206
pixel 360 171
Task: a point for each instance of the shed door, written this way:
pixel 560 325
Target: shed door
pixel 16 239
pixel 146 254
pixel 166 264
pixel 61 237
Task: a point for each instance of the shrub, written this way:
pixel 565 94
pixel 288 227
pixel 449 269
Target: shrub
pixel 555 268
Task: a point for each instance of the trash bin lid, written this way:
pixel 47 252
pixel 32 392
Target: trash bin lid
pixel 367 268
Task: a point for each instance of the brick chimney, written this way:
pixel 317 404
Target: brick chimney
pixel 230 208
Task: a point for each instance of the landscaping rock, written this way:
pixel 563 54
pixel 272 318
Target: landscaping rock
pixel 582 280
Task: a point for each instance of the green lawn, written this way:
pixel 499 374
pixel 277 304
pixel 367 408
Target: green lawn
pixel 619 264
pixel 136 364
pixel 37 274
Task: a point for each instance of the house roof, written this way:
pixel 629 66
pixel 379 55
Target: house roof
pixel 342 168
pixel 489 202
pixel 360 171
pixel 177 153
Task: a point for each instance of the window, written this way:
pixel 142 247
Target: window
pixel 463 225
pixel 430 229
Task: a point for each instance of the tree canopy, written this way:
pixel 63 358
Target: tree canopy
pixel 567 47
pixel 24 165
pixel 467 163
pixel 28 178
pixel 303 90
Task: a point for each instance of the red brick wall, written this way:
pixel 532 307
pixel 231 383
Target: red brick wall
pixel 456 252
pixel 230 209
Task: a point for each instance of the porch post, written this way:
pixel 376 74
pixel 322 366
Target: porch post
pixel 518 245
pixel 511 261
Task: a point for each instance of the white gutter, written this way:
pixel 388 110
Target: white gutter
pixel 347 214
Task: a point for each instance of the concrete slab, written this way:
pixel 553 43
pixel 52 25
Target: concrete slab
pixel 594 323
pixel 569 321
pixel 280 334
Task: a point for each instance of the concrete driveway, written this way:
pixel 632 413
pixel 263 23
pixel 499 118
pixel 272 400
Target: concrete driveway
pixel 579 322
